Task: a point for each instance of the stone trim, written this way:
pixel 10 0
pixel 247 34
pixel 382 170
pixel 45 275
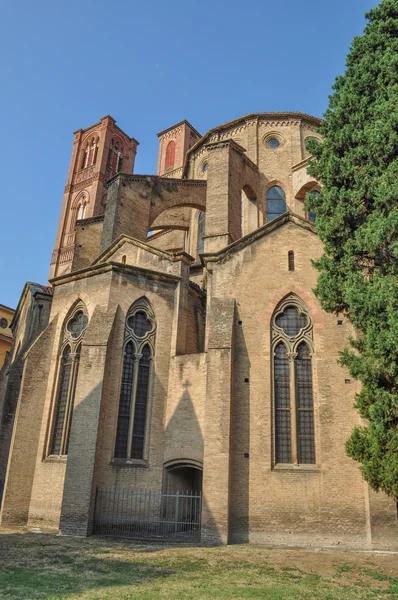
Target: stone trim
pixel 149 178
pixel 171 256
pixel 101 268
pixel 90 220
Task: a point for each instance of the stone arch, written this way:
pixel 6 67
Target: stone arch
pixel 196 200
pixel 173 218
pixel 307 187
pixel 183 475
pixel 81 199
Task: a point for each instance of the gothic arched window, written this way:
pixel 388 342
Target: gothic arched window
pixel 201 232
pixel 275 203
pixel 68 370
pixel 170 155
pixel 90 153
pixel 115 157
pixel 292 345
pixel 139 344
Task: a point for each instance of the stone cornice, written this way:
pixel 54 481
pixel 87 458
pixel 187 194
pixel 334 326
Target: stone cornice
pixel 6 338
pixel 301 164
pixel 110 267
pixel 184 122
pixel 89 220
pixel 247 240
pixel 150 178
pixel 163 254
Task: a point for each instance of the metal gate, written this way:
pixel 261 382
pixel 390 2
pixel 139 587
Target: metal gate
pixel 148 515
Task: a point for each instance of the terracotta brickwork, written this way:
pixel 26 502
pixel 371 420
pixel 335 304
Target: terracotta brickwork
pixel 202 253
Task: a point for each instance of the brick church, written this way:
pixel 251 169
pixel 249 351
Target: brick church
pixel 179 347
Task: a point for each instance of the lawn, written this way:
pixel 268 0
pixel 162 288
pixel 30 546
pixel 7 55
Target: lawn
pixel 49 567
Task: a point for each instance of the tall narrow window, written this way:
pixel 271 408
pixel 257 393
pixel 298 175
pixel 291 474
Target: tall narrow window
pixel 201 232
pixel 68 371
pixel 311 215
pixel 170 155
pixel 115 157
pixel 292 343
pixel 81 211
pixel 275 202
pixel 282 404
pixel 290 260
pixel 139 340
pixel 90 153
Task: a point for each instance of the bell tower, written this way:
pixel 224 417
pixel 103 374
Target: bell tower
pixel 99 152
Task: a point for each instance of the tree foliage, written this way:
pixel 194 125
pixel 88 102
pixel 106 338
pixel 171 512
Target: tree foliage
pixel 357 220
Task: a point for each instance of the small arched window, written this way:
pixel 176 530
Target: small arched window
pixel 68 370
pixel 201 232
pixel 170 154
pixel 139 340
pixel 275 203
pixel 292 383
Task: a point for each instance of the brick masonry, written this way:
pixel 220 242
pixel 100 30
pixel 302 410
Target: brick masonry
pixel 210 405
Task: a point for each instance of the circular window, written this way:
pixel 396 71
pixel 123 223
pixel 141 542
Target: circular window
pixel 3 323
pixel 273 142
pixel 205 167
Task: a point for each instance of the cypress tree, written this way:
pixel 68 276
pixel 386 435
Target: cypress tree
pixel 357 221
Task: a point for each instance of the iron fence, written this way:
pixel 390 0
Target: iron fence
pixel 148 515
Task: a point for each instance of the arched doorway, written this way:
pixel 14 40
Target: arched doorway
pixel 183 477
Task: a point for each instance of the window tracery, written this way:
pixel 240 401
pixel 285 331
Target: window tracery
pixel 292 349
pixel 139 347
pixel 68 369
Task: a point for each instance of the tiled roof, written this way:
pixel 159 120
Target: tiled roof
pixel 42 289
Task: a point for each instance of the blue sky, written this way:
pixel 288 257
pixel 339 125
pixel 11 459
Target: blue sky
pixel 65 64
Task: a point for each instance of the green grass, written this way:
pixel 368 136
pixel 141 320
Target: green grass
pixel 47 567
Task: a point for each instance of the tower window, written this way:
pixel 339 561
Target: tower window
pixel 170 155
pixel 90 153
pixel 115 157
pixel 275 203
pixel 292 384
pixel 136 379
